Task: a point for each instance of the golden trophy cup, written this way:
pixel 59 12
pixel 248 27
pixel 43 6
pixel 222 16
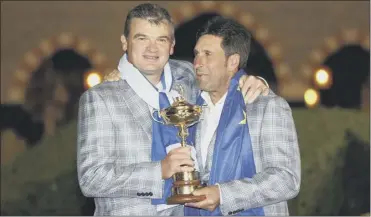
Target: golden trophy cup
pixel 183 115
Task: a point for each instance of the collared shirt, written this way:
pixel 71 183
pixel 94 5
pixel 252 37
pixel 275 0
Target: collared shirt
pixel 210 122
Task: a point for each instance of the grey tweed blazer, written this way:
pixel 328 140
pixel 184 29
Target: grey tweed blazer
pixel 277 160
pixel 114 147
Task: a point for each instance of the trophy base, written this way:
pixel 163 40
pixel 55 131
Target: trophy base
pixel 184 184
pixel 184 198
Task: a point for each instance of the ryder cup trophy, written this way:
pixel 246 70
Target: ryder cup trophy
pixel 183 115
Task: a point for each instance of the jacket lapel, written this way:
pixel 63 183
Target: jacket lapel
pixel 210 151
pixel 137 107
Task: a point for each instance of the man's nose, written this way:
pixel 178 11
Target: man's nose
pixel 197 62
pixel 152 46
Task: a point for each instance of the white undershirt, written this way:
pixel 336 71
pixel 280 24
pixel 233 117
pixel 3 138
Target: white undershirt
pixel 211 117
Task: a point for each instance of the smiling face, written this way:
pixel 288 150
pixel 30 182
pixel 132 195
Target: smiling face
pixel 148 46
pixel 213 69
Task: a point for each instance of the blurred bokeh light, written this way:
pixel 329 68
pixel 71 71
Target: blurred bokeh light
pixel 92 79
pixel 323 78
pixel 311 98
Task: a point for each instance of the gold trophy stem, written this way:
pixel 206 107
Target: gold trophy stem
pixel 183 133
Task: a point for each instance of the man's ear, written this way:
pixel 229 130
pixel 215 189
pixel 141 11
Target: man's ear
pixel 172 47
pixel 124 43
pixel 233 62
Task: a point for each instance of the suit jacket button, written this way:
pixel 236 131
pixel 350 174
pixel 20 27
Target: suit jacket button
pixel 150 194
pixel 146 194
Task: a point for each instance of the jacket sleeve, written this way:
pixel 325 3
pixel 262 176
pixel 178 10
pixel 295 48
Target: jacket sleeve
pixel 279 179
pixel 100 172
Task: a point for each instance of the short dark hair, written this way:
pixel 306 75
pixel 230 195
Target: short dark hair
pixel 236 39
pixel 153 13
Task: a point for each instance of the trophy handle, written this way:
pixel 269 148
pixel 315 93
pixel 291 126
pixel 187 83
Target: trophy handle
pixel 158 121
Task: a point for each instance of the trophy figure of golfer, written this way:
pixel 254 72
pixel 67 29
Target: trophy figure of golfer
pixel 183 115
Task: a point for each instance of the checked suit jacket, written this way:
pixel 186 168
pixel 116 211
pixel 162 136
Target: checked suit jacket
pixel 114 147
pixel 277 160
